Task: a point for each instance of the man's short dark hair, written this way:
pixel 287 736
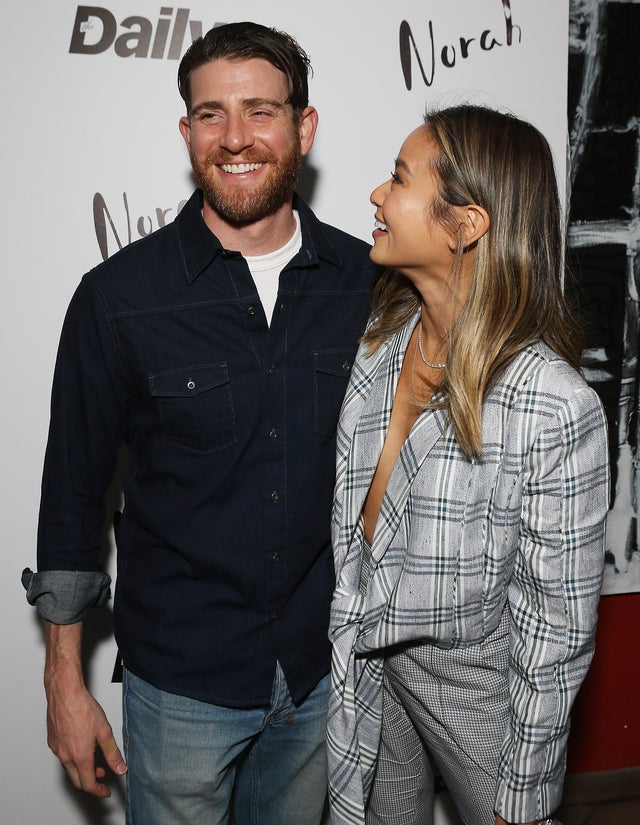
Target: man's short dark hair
pixel 245 41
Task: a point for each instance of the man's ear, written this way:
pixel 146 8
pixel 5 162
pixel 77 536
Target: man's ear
pixel 184 124
pixel 307 127
pixel 473 224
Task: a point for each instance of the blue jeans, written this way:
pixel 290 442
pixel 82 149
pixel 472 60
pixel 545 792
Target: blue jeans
pixel 188 759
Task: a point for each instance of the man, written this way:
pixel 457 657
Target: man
pixel 218 349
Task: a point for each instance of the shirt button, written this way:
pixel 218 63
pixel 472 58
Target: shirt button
pixel 272 369
pixel 191 384
pixel 274 496
pixel 346 366
pixel 275 558
pixel 251 311
pixel 275 616
pixel 273 433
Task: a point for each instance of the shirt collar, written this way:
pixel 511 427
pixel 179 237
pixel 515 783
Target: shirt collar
pixel 199 246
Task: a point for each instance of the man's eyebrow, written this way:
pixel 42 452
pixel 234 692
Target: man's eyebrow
pixel 207 104
pixel 400 164
pixel 264 101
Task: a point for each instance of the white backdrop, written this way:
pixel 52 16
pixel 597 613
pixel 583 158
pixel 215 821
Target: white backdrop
pixel 90 112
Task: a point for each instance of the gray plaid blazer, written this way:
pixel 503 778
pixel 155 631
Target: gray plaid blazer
pixel 457 540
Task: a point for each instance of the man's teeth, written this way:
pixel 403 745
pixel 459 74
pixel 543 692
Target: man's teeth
pixel 379 225
pixel 239 168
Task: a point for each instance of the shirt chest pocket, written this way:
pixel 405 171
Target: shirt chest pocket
pixel 196 406
pixel 331 370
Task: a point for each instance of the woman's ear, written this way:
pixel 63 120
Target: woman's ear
pixel 475 223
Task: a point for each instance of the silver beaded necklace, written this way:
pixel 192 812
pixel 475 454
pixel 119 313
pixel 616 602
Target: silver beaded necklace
pixel 426 361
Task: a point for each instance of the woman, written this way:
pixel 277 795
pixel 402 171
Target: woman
pixel 471 495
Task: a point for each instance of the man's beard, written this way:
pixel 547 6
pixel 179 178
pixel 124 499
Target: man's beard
pixel 245 206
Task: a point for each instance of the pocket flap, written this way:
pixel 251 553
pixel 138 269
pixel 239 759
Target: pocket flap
pixel 187 381
pixel 333 361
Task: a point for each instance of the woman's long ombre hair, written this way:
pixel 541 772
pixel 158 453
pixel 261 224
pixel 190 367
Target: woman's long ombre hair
pixel 503 164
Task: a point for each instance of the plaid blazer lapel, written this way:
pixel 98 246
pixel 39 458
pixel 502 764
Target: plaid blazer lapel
pixel 425 434
pixel 366 414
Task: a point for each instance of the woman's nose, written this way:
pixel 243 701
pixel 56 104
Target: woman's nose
pixel 378 194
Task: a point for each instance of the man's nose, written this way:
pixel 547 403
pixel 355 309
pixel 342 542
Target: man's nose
pixel 237 134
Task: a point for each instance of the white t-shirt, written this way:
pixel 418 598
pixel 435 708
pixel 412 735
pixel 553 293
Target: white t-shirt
pixel 266 269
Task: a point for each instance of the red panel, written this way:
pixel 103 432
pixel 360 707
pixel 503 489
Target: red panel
pixel 605 727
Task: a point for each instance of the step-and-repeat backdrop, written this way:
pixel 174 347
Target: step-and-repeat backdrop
pixel 92 160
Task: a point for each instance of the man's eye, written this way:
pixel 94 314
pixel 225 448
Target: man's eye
pixel 395 178
pixel 207 117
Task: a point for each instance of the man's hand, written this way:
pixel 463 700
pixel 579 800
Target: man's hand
pixel 76 723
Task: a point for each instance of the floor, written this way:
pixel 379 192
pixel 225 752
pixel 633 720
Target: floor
pixel 609 798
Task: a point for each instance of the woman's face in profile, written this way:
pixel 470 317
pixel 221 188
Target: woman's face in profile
pixel 406 237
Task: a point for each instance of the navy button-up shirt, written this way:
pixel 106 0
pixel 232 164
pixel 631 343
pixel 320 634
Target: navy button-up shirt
pixel 224 562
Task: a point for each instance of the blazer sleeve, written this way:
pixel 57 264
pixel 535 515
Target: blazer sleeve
pixel 553 597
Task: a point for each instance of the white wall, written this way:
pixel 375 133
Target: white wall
pixel 78 124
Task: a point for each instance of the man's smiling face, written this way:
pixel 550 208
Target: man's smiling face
pixel 243 138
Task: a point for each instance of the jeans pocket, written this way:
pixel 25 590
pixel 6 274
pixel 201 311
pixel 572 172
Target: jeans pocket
pixel 196 406
pixel 332 368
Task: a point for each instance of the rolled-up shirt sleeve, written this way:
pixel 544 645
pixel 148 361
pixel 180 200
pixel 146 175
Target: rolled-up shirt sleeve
pixel 65 596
